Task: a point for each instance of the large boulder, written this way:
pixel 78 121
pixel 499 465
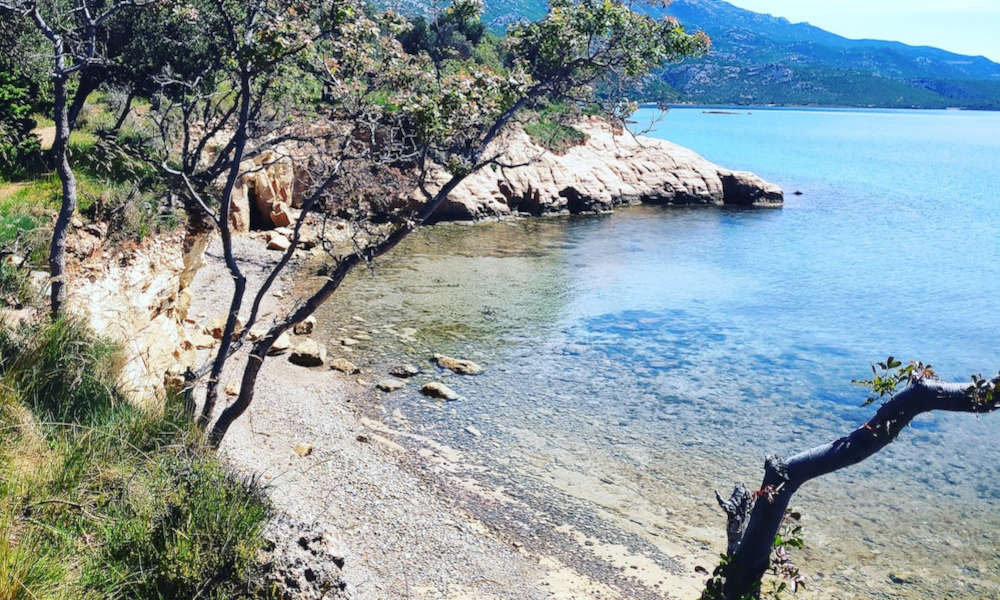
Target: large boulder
pixel 743 188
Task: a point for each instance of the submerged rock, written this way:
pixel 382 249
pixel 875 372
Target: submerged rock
pixel 436 389
pixel 458 365
pixel 344 366
pixel 390 384
pixel 404 371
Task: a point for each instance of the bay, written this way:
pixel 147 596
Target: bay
pixel 639 361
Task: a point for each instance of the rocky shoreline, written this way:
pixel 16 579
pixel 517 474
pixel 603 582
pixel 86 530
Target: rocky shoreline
pixel 326 462
pixel 612 168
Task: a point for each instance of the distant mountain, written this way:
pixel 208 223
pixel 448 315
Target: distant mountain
pixel 761 59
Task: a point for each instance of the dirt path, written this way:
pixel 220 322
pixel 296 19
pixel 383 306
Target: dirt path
pixel 9 189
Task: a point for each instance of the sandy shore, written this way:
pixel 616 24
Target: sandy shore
pixel 400 509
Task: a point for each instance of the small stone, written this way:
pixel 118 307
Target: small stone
pixel 404 371
pixel 364 439
pixel 436 389
pixel 232 389
pixel 306 326
pixel 285 231
pixel 280 345
pixel 303 450
pixel 13 260
pixel 344 366
pixel 390 384
pixel 363 337
pixel 76 223
pixel 348 341
pixel 458 365
pixel 218 326
pixel 257 333
pixel 277 242
pixel 471 430
pixel 281 215
pixel 308 353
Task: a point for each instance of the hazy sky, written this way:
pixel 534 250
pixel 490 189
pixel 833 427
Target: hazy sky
pixel 964 26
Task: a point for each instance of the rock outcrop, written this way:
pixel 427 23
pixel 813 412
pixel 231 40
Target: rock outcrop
pixel 139 299
pixel 263 197
pixel 612 168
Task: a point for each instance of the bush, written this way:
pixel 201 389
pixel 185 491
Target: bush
pixel 99 499
pixel 20 149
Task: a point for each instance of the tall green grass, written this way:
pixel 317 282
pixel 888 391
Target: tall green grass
pixel 550 128
pixel 99 499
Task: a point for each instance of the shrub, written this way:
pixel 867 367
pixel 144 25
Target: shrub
pixel 102 500
pixel 20 150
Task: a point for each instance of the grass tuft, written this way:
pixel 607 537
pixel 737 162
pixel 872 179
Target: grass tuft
pixel 549 128
pixel 99 499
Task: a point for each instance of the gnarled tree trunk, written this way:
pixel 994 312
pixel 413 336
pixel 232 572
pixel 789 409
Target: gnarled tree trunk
pixel 754 519
pixel 60 153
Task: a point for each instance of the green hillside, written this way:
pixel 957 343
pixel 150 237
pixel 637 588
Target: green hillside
pixel 761 59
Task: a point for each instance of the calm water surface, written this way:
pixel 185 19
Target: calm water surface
pixel 638 361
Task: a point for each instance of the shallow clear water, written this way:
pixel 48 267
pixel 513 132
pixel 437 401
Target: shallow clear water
pixel 638 361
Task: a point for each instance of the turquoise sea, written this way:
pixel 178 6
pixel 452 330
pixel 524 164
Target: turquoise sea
pixel 639 361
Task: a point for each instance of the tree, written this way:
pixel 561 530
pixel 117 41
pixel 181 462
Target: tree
pixel 453 33
pixel 432 122
pixel 73 31
pixel 754 519
pixel 20 89
pixel 19 148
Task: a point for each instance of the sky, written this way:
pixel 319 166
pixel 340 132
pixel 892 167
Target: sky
pixel 963 26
